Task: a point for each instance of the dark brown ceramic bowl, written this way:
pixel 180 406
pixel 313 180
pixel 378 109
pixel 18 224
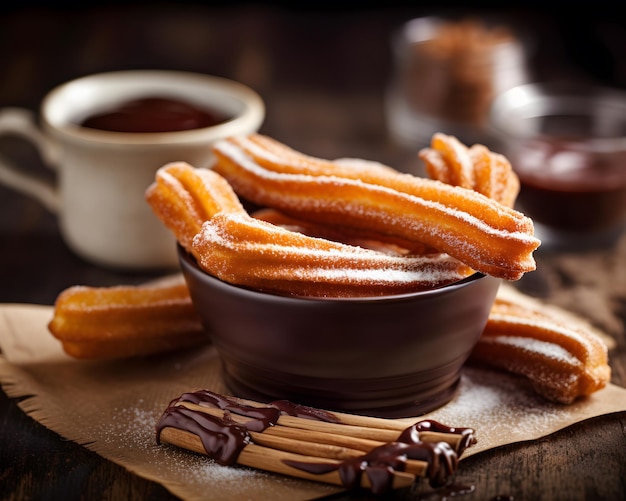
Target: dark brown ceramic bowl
pixel 392 356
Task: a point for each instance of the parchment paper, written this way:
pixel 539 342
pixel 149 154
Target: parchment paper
pixel 112 408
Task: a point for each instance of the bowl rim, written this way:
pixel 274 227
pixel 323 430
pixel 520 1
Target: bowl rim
pixel 188 262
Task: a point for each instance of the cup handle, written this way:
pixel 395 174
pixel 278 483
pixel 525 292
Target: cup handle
pixel 21 122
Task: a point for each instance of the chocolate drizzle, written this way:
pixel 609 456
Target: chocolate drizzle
pixel 223 439
pixel 380 463
pixel 260 417
pixel 303 411
pixel 411 434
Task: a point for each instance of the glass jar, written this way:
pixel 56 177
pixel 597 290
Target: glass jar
pixel 446 74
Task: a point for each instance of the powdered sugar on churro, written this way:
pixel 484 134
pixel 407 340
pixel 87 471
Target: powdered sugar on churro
pixel 247 251
pixel 549 350
pixel 485 235
pixel 326 183
pixel 579 344
pixel 561 358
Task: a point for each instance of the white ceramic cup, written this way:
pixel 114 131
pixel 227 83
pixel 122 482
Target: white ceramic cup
pixel 102 176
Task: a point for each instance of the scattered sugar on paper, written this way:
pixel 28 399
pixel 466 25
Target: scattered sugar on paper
pixel 501 409
pixel 131 436
pixel 498 406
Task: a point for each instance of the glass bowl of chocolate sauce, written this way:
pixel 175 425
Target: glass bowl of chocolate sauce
pixel 567 143
pixel 446 71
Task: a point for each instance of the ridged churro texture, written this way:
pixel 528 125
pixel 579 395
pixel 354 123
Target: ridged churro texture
pixel 204 213
pixel 184 197
pixel 126 321
pixel 246 251
pixel 561 357
pixel 481 232
pixel 475 168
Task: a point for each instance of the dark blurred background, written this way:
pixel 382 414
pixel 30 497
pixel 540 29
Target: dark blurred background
pixel 299 56
pixel 278 46
pixel 321 68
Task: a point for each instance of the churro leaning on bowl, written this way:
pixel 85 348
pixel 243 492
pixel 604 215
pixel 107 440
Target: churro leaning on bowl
pixel 126 321
pixel 183 197
pixel 475 168
pixel 482 233
pixel 561 357
pixel 351 236
pixel 242 250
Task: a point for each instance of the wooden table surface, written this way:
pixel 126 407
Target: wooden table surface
pixel 322 76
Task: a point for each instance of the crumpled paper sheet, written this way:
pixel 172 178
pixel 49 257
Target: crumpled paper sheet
pixel 112 408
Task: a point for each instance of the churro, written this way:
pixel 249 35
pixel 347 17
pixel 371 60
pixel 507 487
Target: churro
pixel 125 321
pixel 475 168
pixel 250 252
pixel 183 197
pixel 480 232
pixel 562 359
pixel 345 235
pixel 244 251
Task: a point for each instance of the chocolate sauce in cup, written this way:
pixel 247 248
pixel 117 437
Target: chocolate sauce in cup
pixel 568 146
pixel 105 135
pixel 155 114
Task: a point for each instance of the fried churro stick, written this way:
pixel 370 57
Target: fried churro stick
pixel 475 168
pixel 125 321
pixel 561 358
pixel 480 232
pixel 245 251
pixel 183 197
pixel 345 235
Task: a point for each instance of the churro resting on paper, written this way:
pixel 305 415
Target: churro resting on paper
pixel 125 321
pixel 562 358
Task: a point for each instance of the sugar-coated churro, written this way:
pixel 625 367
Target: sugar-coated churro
pixel 346 235
pixel 209 221
pixel 482 233
pixel 246 251
pixel 125 321
pixel 561 358
pixel 475 168
pixel 183 197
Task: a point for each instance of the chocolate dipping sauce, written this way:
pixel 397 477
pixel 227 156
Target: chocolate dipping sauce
pixel 154 114
pixel 223 439
pixel 567 186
